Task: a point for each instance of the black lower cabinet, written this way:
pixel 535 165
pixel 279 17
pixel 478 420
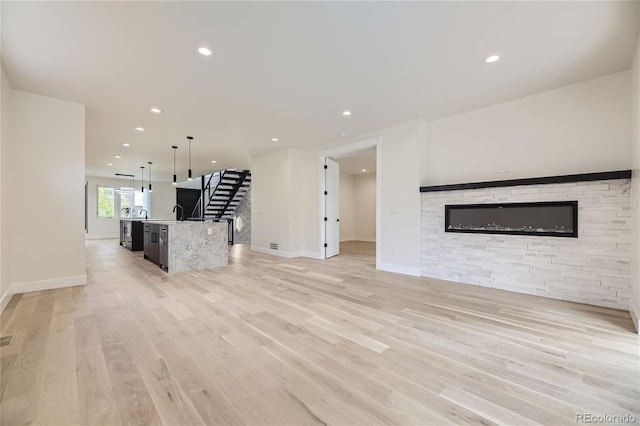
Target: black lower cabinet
pixel 131 234
pixel 151 242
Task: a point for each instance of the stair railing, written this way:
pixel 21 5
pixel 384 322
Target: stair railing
pixel 234 191
pixel 205 193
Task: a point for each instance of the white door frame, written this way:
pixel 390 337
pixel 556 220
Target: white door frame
pixel 348 149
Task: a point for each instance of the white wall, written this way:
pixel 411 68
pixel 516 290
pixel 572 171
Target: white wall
pixel 45 154
pixel 400 169
pixel 634 302
pixel 5 100
pixel 580 128
pixel 347 208
pixel 100 227
pixel 162 200
pixel 285 203
pixel 270 202
pixel 364 189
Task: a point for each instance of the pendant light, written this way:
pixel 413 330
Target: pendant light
pixel 150 163
pixel 175 181
pixel 189 138
pixel 141 178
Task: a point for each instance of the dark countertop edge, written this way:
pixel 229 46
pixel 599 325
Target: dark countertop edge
pixel 583 177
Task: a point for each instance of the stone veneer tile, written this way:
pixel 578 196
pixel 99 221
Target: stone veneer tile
pixel 592 269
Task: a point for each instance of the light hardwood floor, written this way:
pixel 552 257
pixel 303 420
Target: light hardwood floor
pixel 270 340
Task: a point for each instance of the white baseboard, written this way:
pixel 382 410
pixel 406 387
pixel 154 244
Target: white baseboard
pixel 287 254
pixel 634 316
pixel 28 286
pixel 6 298
pixel 311 254
pixel 366 240
pixel 101 237
pixel 399 269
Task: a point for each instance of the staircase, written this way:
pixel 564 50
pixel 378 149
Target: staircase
pixel 222 194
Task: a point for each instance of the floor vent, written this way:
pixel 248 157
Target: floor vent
pixel 6 340
pixel 273 246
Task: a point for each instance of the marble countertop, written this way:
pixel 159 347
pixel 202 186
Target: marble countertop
pixel 177 222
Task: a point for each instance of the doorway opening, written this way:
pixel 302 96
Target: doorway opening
pixel 350 200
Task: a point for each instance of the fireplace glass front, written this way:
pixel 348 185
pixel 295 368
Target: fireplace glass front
pixel 554 218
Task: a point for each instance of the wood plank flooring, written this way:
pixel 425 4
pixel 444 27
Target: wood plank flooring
pixel 274 341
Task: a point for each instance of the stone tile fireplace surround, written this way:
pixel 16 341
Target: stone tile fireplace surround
pixel 593 268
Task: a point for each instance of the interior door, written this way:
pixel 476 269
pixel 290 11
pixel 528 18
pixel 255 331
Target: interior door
pixel 331 208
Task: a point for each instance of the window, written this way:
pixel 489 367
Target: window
pixel 106 201
pixel 132 202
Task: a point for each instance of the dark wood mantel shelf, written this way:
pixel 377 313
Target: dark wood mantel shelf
pixel 584 177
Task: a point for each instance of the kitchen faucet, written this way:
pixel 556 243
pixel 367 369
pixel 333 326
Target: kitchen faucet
pixel 145 213
pixel 181 211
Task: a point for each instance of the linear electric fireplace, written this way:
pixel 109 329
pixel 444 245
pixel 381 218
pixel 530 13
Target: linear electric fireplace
pixel 549 218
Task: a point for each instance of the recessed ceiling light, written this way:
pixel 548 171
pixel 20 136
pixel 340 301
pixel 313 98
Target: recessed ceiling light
pixel 116 156
pixel 140 129
pixel 156 110
pixel 214 161
pixel 204 51
pixel 491 59
pixel 364 170
pixel 346 113
pixel 343 134
pixel 274 139
pixel 109 164
pixel 126 145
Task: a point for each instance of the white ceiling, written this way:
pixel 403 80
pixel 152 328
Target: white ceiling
pixel 354 163
pixel 288 69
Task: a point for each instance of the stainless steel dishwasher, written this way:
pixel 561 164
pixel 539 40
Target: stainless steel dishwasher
pixel 164 248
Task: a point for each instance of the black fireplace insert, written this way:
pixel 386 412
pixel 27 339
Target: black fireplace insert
pixel 547 218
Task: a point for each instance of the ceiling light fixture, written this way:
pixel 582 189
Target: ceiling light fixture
pixel 274 139
pixel 364 170
pixel 140 129
pixel 204 51
pixel 156 110
pixel 109 164
pixel 189 138
pixel 175 181
pixel 150 163
pixel 116 156
pixel 126 145
pixel 491 59
pixel 213 161
pixel 141 178
pixel 125 179
pixel 346 113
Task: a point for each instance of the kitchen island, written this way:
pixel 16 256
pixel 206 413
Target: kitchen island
pixel 186 246
pixel 131 233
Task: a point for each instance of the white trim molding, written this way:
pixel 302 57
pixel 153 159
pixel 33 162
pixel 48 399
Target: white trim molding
pixel 6 298
pixel 341 150
pixel 399 269
pixel 51 284
pixel 635 317
pixel 311 254
pixel 27 286
pixel 286 254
